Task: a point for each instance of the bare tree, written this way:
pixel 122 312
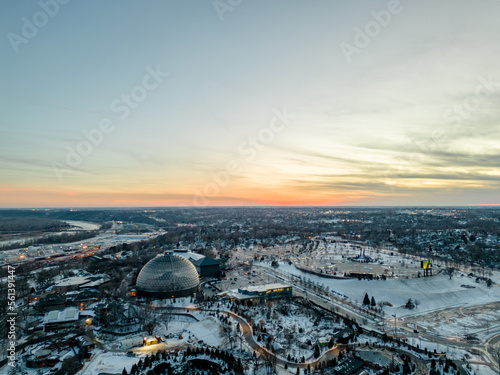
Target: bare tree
pixel 149 319
pixel 269 360
pixel 240 336
pixel 255 362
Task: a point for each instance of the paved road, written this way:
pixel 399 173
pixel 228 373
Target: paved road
pixel 490 349
pixel 493 349
pixel 323 301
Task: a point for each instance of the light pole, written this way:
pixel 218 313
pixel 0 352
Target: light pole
pixel 394 325
pixel 393 343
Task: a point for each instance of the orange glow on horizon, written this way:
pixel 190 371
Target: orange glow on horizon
pixel 40 198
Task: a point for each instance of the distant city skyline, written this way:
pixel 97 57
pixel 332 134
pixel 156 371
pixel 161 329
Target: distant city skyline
pixel 253 103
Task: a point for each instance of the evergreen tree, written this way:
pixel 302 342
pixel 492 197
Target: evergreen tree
pixel 330 343
pixel 366 300
pixel 410 304
pixel 316 351
pixel 239 367
pixel 372 302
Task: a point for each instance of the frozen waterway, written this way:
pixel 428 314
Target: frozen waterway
pixel 76 226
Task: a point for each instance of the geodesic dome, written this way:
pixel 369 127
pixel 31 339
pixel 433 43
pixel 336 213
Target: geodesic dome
pixel 167 276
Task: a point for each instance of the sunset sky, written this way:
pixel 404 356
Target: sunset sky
pixel 252 102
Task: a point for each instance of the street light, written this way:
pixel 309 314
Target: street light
pixel 394 325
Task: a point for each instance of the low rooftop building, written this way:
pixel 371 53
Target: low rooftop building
pixel 51 301
pixel 206 267
pixel 58 319
pixel 80 282
pixel 260 293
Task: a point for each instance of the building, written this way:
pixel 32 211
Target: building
pixel 59 319
pixel 51 301
pixel 260 293
pixel 79 282
pixel 350 366
pixel 84 298
pixel 168 276
pixel 207 267
pixel 376 359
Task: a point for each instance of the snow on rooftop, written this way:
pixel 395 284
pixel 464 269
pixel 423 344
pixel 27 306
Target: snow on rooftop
pixel 59 316
pixel 251 291
pixel 89 280
pixel 75 280
pixel 190 255
pixel 265 287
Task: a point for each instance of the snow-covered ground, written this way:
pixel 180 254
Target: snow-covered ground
pixel 112 363
pixel 431 293
pixel 208 330
pixel 292 328
pixel 180 334
pixel 82 225
pixel 481 370
pixel 479 321
pixel 75 227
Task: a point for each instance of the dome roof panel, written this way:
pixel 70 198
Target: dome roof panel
pixel 169 275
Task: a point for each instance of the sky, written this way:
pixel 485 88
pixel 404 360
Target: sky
pixel 239 102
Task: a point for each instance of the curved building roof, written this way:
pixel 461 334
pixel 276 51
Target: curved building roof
pixel 168 275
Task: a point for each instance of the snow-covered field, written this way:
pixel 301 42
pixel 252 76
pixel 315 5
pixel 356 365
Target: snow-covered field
pixel 208 330
pixel 431 293
pixel 481 370
pixel 480 321
pixel 112 363
pixel 75 227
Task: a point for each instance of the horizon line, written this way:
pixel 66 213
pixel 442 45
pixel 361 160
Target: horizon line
pixel 253 206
